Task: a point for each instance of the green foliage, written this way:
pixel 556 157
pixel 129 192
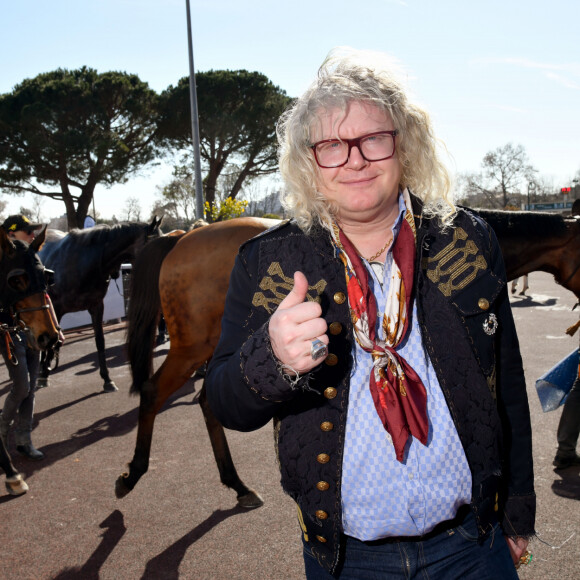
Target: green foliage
pixel 228 209
pixel 178 195
pixel 64 132
pixel 238 111
pixel 71 129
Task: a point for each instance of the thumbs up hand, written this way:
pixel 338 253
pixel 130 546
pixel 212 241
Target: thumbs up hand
pixel 293 327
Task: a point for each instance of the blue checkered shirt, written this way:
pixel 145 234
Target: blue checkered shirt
pixel 382 497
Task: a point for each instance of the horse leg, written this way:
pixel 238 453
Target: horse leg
pixel 5 460
pixel 96 313
pixel 148 409
pixel 44 371
pixel 47 357
pixel 247 498
pixel 15 484
pixel 169 378
pixel 161 331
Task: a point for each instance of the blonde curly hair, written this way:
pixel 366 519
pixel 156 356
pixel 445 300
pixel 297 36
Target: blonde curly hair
pixel 346 76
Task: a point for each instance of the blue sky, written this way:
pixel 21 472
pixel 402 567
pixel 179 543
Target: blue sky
pixel 489 72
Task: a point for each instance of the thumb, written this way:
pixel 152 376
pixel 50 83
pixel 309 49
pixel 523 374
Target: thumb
pixel 298 293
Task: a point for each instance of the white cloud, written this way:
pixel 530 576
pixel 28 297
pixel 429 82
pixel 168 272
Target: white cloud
pixel 562 73
pixel 562 80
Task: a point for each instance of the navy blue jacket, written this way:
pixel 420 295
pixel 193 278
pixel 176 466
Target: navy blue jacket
pixel 460 289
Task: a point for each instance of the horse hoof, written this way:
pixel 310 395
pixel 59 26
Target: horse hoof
pixel 121 489
pixel 250 501
pixel 42 382
pixel 16 485
pixel 110 387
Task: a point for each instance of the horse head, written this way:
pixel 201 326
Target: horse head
pixel 126 241
pixel 23 290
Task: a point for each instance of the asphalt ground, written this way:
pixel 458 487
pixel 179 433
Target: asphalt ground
pixel 180 522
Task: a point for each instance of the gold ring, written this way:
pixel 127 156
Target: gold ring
pixel 525 559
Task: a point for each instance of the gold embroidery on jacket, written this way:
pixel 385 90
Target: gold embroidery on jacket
pixel 456 265
pixel 302 524
pixel 492 384
pixel 276 287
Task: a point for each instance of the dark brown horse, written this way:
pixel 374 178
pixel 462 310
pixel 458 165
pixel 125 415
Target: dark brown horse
pixel 187 279
pixel 84 261
pixel 23 286
pixel 532 241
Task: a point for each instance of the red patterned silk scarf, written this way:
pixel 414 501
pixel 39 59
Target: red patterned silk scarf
pixel 398 393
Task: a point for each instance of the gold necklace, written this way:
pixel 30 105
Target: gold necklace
pixel 375 256
pixel 337 237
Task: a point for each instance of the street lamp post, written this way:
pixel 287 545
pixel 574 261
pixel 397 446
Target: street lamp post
pixel 531 189
pixel 194 122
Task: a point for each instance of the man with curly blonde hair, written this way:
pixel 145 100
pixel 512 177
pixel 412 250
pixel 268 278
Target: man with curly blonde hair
pixel 375 329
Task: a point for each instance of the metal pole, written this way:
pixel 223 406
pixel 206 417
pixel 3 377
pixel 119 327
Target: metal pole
pixel 194 123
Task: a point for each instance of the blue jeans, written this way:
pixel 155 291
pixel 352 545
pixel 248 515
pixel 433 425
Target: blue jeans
pixel 451 554
pixel 19 403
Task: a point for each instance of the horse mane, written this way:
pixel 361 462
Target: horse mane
pixel 103 233
pixel 523 223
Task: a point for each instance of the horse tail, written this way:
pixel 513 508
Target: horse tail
pixel 145 308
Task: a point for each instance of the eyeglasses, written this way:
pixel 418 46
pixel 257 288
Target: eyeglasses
pixel 373 147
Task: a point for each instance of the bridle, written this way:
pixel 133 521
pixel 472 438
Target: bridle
pixel 20 325
pixel 16 313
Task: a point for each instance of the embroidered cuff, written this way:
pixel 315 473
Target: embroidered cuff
pixel 519 516
pixel 264 373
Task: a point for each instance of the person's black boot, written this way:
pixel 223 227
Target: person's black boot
pixel 569 430
pixel 30 452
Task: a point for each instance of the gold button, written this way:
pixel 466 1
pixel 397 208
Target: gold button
pixel 331 360
pixel 323 458
pixel 483 303
pixel 322 485
pixel 326 426
pixel 339 297
pixel 321 514
pixel 330 393
pixel 335 328
pixel 321 539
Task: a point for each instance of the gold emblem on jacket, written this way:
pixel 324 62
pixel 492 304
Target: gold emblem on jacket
pixel 456 265
pixel 276 286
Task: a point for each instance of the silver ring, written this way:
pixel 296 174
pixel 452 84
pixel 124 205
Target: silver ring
pixel 318 349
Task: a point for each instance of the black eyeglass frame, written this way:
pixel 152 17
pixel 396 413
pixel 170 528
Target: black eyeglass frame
pixel 355 143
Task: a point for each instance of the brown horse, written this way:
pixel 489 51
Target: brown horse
pixel 532 241
pixel 204 255
pixel 23 286
pixel 193 274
